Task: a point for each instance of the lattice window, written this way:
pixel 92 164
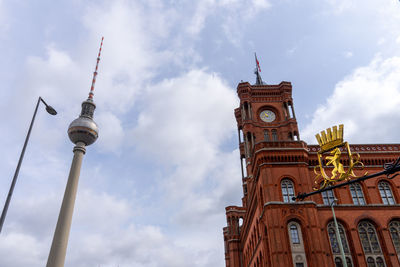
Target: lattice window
pixel 378 262
pixel 328 197
pixel 386 193
pixel 370 244
pixel 339 262
pixel 274 135
pixel 335 244
pixel 294 234
pixel 287 190
pixel 394 228
pixel 357 194
pixel 266 135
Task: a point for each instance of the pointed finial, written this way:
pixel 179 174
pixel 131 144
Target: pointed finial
pixel 95 72
pixel 257 71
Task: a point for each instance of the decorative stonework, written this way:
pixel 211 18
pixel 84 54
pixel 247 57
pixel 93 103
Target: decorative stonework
pixel 363 148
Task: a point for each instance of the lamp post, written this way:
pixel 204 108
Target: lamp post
pixel 339 239
pixel 51 111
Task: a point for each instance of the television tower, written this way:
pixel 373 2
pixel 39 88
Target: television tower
pixel 83 131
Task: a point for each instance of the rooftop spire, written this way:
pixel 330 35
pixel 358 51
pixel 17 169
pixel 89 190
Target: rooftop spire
pixel 95 72
pixel 257 71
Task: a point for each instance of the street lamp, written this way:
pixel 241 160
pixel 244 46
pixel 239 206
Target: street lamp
pixel 51 111
pixel 339 239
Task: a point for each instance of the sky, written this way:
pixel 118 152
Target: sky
pixel 154 187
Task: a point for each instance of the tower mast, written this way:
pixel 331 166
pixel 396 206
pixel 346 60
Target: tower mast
pixel 83 131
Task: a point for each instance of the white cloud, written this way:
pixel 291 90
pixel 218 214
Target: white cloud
pixel 234 15
pixel 103 235
pixel 183 125
pixel 129 59
pixel 185 121
pixel 203 10
pixel 130 56
pixel 13 245
pixel 193 110
pixel 367 102
pixel 112 134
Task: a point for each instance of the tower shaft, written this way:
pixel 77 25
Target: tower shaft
pixel 60 240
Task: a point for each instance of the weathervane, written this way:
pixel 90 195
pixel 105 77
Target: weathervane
pixel 332 144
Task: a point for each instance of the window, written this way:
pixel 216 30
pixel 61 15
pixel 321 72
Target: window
pixel 274 135
pixel 338 262
pixel 386 193
pixel 349 263
pixel 335 245
pixel 370 244
pixel 379 262
pixel 287 190
pixel 357 194
pixel 266 135
pixel 294 234
pixel 375 263
pixel 394 228
pixel 328 197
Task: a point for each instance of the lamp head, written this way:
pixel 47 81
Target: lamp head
pixel 51 110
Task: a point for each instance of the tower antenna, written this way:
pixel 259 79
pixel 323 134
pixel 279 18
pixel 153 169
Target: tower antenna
pixel 95 71
pixel 257 71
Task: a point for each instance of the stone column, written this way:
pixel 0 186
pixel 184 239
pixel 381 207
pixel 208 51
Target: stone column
pixel 60 239
pixel 291 106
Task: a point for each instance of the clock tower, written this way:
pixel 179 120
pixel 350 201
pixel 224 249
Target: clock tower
pixel 266 114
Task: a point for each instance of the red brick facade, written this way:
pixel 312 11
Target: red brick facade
pixel 269 230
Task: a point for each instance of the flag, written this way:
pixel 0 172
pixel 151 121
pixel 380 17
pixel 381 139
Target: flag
pixel 258 64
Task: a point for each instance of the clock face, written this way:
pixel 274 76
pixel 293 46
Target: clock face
pixel 267 115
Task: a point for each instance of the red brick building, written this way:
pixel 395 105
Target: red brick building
pixel 269 229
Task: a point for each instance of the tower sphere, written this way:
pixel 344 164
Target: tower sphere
pixel 84 130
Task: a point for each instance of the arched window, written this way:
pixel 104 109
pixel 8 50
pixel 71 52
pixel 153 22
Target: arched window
pixel 287 190
pixel 357 194
pixel 274 135
pixel 370 244
pixel 294 234
pixel 335 245
pixel 296 244
pixel 328 197
pixel 371 262
pixel 380 262
pixel 386 193
pixel 394 228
